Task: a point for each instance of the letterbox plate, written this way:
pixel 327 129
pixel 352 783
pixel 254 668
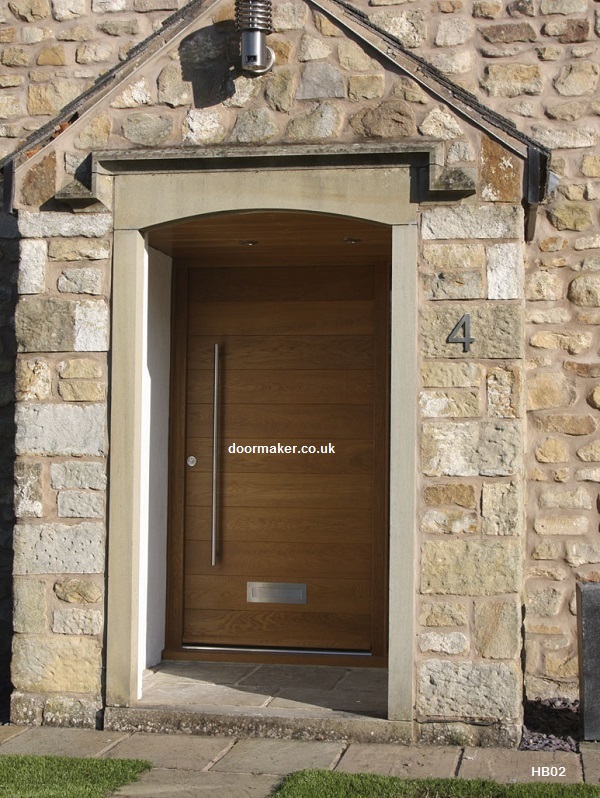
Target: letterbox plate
pixel 276 593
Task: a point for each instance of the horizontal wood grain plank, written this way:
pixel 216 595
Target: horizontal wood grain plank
pixel 244 284
pixel 284 351
pixel 352 596
pixel 264 628
pixel 350 457
pixel 281 524
pixel 281 490
pixel 281 318
pixel 309 386
pixel 354 422
pixel 280 562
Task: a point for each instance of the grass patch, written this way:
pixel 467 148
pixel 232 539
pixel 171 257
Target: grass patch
pixel 65 777
pixel 325 784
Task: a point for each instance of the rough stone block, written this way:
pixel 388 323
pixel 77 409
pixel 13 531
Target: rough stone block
pixel 80 504
pixel 56 664
pixel 443 613
pixel 544 286
pixel 322 122
pixel 501 509
pixel 568 424
pixel 469 690
pixel 497 629
pixel 572 138
pixel 78 591
pixel 450 493
pixel 577 553
pixel 82 391
pixel 545 602
pixel 444 642
pixel 33 380
pixel 561 525
pixel 28 490
pixel 547 389
pixel 33 224
pixel 409 26
pixel 449 404
pixel 575 79
pixel 552 450
pixel 453 285
pixel 289 16
pixel 256 126
pixel 437 374
pixel 471 567
pixel 80 281
pixel 59 549
pixel 203 127
pixel 70 249
pixel 55 429
pixel 504 392
pixel 448 522
pixel 505 271
pixel 471 448
pixel 584 290
pixel 65 711
pixel 147 130
pixel 512 80
pixel 76 621
pixel 496 328
pixel 48 324
pixel 554 498
pixel 81 368
pixel 32 266
pixel 454 256
pixel 30 606
pixel 440 124
pixel 320 81
pixel 25 709
pixel 572 342
pixel 76 474
pixel 472 221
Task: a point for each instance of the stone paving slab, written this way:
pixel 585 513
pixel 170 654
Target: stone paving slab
pixel 369 680
pixel 50 741
pixel 272 677
pixel 278 756
pixel 163 783
pixel 339 700
pixel 183 752
pixel 212 672
pixel 507 766
pixel 188 695
pixel 395 760
pixel 8 732
pixel 590 760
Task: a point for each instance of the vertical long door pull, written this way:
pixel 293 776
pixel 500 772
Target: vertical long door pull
pixel 213 550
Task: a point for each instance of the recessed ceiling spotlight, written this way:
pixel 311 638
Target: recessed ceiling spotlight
pixel 351 240
pixel 249 243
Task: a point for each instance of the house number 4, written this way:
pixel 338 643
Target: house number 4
pixel 461 334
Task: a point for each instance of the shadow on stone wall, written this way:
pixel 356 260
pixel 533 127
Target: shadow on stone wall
pixel 9 263
pixel 207 56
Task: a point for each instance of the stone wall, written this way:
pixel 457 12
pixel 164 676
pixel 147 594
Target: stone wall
pixel 537 65
pixel 60 471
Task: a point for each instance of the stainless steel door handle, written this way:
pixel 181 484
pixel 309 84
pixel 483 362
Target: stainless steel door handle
pixel 213 549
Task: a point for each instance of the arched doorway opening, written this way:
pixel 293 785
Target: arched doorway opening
pixel 278 504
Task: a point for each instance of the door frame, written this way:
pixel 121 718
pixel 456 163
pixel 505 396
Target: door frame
pixel 175 605
pixel 165 193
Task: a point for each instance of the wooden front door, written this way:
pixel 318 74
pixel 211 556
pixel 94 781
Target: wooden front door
pixel 299 547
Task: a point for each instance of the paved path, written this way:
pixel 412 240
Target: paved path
pixel 214 767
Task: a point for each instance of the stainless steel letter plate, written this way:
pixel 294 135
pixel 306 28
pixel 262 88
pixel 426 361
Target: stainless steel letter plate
pixel 276 593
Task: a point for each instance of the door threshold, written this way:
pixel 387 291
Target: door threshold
pixel 276 657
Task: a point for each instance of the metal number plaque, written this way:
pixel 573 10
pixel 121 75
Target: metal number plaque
pixel 465 339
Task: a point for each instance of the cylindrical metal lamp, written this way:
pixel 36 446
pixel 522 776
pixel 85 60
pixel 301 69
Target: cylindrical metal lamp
pixel 253 20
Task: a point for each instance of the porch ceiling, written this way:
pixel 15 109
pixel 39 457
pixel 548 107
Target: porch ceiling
pixel 271 238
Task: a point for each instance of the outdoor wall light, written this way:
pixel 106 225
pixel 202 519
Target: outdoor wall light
pixel 253 20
